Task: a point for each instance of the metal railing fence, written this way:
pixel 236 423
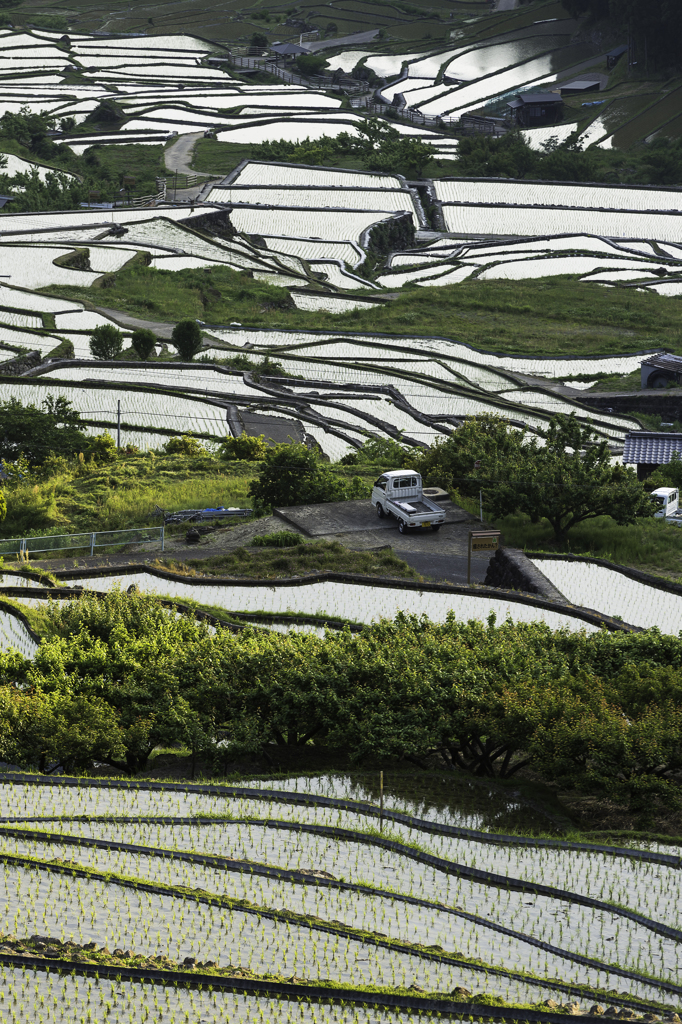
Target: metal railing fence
pixel 26 546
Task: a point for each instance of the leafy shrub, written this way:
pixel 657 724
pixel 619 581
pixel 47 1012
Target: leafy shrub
pixel 310 64
pixel 106 342
pixel 246 447
pixel 183 445
pixel 381 451
pixel 281 539
pixel 144 342
pixel 292 474
pixel 103 448
pixel 187 339
pixel 107 111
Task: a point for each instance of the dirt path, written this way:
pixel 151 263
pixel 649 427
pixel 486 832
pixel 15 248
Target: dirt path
pixel 161 330
pixel 178 157
pixel 357 37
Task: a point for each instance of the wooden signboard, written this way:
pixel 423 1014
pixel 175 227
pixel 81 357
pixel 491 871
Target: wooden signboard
pixel 481 540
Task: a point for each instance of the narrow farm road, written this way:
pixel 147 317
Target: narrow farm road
pixel 178 157
pixel 357 37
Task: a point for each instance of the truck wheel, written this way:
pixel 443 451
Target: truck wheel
pixel 436 527
pixel 401 525
pixel 380 511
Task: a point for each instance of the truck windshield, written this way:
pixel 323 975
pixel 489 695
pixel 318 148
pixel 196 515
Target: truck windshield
pixel 658 500
pixel 381 483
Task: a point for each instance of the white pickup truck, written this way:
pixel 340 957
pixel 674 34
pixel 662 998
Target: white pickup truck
pixel 667 502
pixel 399 493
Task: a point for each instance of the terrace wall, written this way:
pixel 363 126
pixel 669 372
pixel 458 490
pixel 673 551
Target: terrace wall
pixel 511 569
pixel 659 402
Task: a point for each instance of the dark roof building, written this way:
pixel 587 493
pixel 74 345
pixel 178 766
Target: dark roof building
pixel 661 370
pixel 579 86
pixel 288 49
pixel 613 56
pixel 647 449
pixel 4 200
pixel 533 109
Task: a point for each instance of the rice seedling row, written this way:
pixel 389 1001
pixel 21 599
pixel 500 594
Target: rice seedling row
pixel 355 905
pixel 474 889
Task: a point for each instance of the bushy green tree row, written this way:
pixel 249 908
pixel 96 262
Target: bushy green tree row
pixel 120 675
pixel 655 27
pixel 377 145
pixel 482 156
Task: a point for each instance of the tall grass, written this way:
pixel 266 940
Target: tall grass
pixel 122 494
pixel 550 316
pixel 649 544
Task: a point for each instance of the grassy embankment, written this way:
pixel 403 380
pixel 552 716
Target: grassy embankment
pixel 123 494
pixel 550 316
pixel 316 556
pixel 649 544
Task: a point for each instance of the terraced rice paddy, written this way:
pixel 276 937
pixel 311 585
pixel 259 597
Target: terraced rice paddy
pixel 223 887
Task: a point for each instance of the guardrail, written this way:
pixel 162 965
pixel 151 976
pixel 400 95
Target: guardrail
pixel 23 547
pixel 311 82
pixel 466 125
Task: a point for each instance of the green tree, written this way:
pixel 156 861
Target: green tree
pixel 477 446
pixel 247 447
pixel 106 342
pixel 381 451
pixel 655 27
pixel 107 111
pixel 46 732
pixel 259 41
pixel 310 64
pixel 383 148
pixel 35 434
pixel 144 342
pixel 186 338
pixel 294 475
pixel 567 481
pixel 3 505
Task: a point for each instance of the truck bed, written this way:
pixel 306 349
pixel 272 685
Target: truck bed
pixel 416 507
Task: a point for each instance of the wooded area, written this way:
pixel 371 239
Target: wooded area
pixel 120 676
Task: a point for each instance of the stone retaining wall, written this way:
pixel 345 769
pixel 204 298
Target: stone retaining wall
pixel 511 569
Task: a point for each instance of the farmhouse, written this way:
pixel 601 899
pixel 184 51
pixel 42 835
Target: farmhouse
pixel 533 109
pixel 648 450
pixel 659 371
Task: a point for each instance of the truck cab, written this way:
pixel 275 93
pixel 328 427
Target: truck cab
pixel 666 500
pixel 399 493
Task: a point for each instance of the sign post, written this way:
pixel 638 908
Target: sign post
pixel 481 540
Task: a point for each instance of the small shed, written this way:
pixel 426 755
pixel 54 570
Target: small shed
pixel 661 370
pixel 613 56
pixel 533 109
pixel 288 49
pixel 647 450
pixel 578 87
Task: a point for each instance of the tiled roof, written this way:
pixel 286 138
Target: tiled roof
pixel 650 448
pixel 540 97
pixel 665 362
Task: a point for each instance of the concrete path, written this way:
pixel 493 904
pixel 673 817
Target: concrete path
pixel 161 330
pixel 178 157
pixel 440 557
pixel 327 44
